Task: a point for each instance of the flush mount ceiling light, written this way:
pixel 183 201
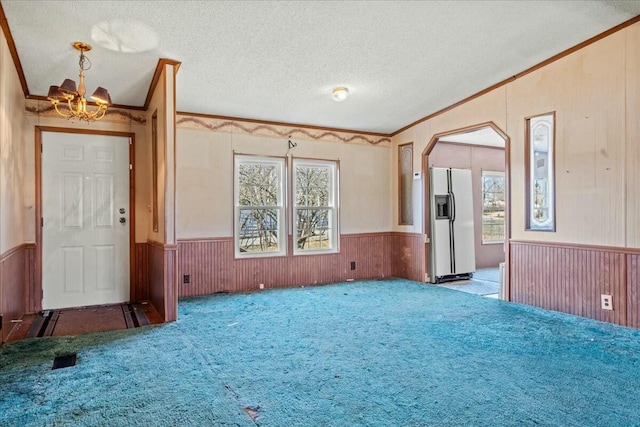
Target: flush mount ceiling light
pixel 76 104
pixel 340 93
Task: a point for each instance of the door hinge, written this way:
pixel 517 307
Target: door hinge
pixel 41 147
pixel 41 222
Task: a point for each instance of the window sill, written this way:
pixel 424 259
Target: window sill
pixel 259 256
pixel 325 252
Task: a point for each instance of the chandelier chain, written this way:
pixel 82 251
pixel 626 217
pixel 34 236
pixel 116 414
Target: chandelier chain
pixel 84 60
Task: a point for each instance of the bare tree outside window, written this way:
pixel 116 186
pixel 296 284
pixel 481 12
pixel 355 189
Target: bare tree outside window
pixel 314 213
pixel 259 206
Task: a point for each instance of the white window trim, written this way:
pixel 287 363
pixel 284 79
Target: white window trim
pixel 280 163
pixel 498 174
pixel 333 206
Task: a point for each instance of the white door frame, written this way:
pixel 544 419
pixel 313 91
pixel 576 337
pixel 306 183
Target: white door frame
pixel 35 294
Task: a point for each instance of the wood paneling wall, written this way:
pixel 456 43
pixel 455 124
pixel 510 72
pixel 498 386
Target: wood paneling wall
pixel 408 256
pixel 14 287
pixel 30 277
pixel 566 278
pixel 162 279
pixel 633 290
pixel 212 268
pixel 571 279
pixel 140 285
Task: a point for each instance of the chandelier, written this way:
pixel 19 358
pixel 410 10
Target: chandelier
pixel 75 106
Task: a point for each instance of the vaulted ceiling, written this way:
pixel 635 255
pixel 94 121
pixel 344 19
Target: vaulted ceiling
pixel 279 60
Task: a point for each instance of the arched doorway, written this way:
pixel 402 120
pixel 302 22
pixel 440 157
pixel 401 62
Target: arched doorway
pixel 483 151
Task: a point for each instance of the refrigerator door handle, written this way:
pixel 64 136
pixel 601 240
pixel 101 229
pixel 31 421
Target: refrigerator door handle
pixel 453 206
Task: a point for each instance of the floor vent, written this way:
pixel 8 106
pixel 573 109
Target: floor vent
pixel 64 361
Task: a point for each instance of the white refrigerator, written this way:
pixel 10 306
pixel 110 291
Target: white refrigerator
pixel 452 236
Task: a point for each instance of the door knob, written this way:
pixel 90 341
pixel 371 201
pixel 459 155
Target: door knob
pixel 122 220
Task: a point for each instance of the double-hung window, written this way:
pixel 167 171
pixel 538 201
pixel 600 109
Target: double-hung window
pixel 259 206
pixel 315 210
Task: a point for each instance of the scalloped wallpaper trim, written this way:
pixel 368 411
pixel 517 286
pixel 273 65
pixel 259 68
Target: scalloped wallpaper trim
pixel 118 115
pixel 254 128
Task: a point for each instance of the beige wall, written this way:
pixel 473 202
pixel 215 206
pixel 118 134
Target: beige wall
pixel 490 107
pixel 11 153
pixel 205 179
pixel 594 92
pixel 632 142
pixel 587 92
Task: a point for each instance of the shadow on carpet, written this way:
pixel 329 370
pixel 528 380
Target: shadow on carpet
pixel 373 353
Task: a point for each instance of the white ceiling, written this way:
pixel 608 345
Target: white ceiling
pixel 278 61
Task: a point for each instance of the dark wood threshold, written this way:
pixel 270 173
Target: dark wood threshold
pixel 84 320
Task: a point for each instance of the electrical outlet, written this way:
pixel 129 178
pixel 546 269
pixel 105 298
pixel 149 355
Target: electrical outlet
pixel 186 278
pixel 606 301
pixel 353 265
pixel 261 285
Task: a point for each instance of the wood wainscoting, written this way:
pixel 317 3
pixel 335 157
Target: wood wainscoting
pixel 408 255
pixel 212 267
pixel 162 279
pixel 140 285
pixel 17 279
pixel 571 279
pixel 633 290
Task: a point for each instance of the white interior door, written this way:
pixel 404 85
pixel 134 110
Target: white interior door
pixel 85 211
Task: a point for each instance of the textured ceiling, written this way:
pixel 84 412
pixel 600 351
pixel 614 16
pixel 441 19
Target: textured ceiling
pixel 279 60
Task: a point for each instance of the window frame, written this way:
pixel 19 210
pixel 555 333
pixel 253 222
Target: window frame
pixel 281 207
pixel 405 201
pixel 502 175
pixel 531 123
pixel 333 207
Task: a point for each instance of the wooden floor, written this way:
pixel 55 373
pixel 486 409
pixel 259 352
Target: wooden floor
pixel 84 320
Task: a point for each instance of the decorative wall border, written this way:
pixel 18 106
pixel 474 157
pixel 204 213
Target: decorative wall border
pixel 41 108
pixel 229 124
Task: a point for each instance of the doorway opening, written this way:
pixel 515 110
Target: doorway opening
pixel 468 226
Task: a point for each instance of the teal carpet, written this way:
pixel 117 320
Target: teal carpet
pixel 377 353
